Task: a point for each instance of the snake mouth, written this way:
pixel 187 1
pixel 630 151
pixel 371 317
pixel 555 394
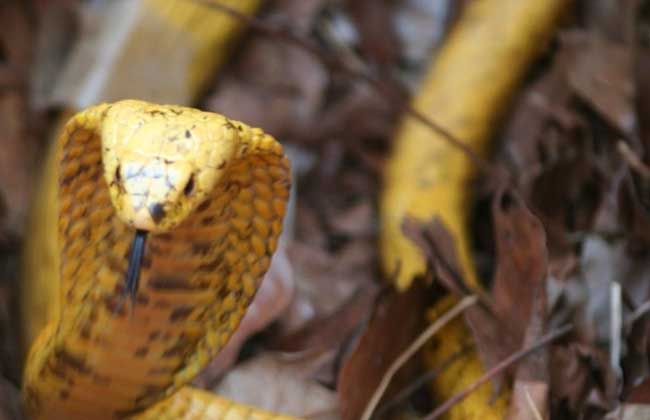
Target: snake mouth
pixel 149 217
pixel 135 264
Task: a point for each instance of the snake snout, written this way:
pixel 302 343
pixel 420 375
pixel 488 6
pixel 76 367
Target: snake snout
pixel 148 218
pixel 151 217
pixel 155 195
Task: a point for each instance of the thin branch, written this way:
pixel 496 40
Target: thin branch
pixel 632 159
pixel 337 65
pixel 420 381
pixel 497 369
pixel 531 405
pixel 412 349
pixel 615 328
pixel 640 311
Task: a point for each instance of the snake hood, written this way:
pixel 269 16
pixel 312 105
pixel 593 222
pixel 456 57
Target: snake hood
pixel 160 162
pixel 216 187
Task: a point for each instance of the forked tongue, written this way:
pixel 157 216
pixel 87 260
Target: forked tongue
pixel 135 263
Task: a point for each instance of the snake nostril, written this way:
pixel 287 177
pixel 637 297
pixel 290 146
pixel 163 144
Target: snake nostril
pixel 157 212
pixel 189 187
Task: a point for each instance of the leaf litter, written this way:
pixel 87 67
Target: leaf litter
pixel 555 244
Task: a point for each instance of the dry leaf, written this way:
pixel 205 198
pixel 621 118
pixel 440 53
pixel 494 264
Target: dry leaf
pixel 396 322
pixel 329 332
pixel 530 392
pixel 281 385
pixel 521 261
pixel 602 76
pixel 274 84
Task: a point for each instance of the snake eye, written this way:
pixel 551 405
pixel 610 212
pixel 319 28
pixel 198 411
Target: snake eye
pixel 189 187
pixel 118 176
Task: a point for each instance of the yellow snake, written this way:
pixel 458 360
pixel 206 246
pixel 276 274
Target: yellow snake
pixel 211 193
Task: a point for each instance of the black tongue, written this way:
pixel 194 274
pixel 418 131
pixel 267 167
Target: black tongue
pixel 135 261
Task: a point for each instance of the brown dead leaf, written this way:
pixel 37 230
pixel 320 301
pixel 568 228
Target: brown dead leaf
pixel 361 114
pixel 354 221
pixel 489 333
pixel 569 376
pixel 602 76
pixel 567 195
pixel 642 79
pixel 640 393
pixel 436 243
pixel 634 208
pixel 9 401
pixel 18 148
pixel 308 224
pixel 274 84
pixel 397 320
pixel 55 34
pixel 518 288
pixel 374 22
pixel 633 276
pixel 549 147
pixel 532 381
pixel 10 356
pixel 581 379
pixel 325 280
pixel 635 362
pixel 521 261
pixel 545 99
pixel 329 332
pixel 519 279
pixel 421 27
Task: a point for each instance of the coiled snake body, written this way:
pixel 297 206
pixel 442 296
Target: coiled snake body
pixel 211 192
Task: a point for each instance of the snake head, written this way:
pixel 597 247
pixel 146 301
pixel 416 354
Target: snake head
pixel 161 162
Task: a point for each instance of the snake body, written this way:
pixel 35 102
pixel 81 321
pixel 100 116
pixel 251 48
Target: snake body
pixel 210 191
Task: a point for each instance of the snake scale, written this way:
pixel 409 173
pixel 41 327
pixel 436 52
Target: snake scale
pixel 211 193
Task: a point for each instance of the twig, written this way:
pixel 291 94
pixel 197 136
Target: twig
pixel 336 64
pixel 421 380
pixel 500 367
pixel 412 349
pixel 641 310
pixel 531 403
pixel 632 159
pixel 615 328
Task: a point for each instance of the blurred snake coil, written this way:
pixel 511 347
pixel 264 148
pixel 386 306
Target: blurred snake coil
pixel 211 193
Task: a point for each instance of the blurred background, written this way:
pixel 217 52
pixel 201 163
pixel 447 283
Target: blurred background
pixel 544 215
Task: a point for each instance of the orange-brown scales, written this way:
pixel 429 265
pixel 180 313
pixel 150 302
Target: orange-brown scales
pixel 210 191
